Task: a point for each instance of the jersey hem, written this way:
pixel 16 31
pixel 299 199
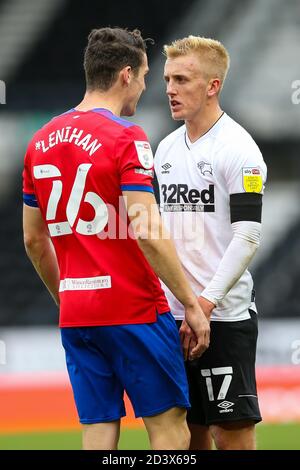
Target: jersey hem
pixel 85 324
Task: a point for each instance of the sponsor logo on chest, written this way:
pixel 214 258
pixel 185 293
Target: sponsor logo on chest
pixel 182 198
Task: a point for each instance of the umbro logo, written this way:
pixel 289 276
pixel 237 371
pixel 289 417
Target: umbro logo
pixel 166 167
pixel 226 406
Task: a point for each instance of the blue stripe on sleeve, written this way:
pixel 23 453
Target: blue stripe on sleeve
pixel 30 200
pixel 137 187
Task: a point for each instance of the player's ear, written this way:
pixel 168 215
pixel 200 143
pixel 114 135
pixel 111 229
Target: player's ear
pixel 213 87
pixel 126 75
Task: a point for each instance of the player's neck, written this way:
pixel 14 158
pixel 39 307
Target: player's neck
pixel 202 122
pixel 96 99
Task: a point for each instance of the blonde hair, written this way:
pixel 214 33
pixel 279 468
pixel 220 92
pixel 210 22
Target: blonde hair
pixel 214 55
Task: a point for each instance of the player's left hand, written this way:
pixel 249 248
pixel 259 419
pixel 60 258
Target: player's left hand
pixel 187 337
pixel 188 342
pixel 194 331
pixel 207 306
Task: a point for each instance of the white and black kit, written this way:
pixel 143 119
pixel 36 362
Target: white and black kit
pixel 211 202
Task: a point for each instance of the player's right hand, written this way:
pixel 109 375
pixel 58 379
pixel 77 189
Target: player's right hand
pixel 194 332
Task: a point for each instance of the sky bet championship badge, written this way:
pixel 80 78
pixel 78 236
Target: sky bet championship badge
pixel 252 180
pixel 144 153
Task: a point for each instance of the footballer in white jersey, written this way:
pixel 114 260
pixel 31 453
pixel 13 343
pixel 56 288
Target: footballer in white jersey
pixel 211 178
pixel 202 185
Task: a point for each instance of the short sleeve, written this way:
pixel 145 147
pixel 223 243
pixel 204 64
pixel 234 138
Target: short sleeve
pixel 135 160
pixel 246 171
pixel 157 159
pixel 29 197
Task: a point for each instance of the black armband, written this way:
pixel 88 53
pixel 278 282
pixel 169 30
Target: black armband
pixel 245 207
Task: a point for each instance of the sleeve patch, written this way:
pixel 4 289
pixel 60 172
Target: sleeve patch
pixel 252 180
pixel 144 153
pixel 141 171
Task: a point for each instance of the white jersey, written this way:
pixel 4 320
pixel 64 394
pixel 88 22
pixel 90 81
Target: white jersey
pixel 195 182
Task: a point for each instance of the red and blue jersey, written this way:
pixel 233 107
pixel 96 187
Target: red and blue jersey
pixel 75 170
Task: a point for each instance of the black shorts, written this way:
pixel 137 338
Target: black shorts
pixel 222 381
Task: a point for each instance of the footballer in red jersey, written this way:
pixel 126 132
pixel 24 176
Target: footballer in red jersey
pixel 94 235
pixel 76 168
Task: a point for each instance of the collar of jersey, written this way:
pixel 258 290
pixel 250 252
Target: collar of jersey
pixel 104 110
pixel 208 133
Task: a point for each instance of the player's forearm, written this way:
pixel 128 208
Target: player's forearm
pixel 161 255
pixel 156 244
pixel 235 261
pixel 42 255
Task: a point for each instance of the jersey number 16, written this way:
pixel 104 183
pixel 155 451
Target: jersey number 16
pixel 64 227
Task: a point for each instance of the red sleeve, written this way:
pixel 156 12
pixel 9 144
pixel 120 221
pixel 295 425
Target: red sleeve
pixel 135 160
pixel 28 187
pixel 27 178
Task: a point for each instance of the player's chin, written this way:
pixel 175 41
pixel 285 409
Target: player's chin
pixel 177 115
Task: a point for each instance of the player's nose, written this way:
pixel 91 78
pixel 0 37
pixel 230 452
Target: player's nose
pixel 171 91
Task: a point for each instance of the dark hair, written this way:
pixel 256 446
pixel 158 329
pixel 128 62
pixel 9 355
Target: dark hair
pixel 108 51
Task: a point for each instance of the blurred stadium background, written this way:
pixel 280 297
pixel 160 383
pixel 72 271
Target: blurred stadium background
pixel 41 48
